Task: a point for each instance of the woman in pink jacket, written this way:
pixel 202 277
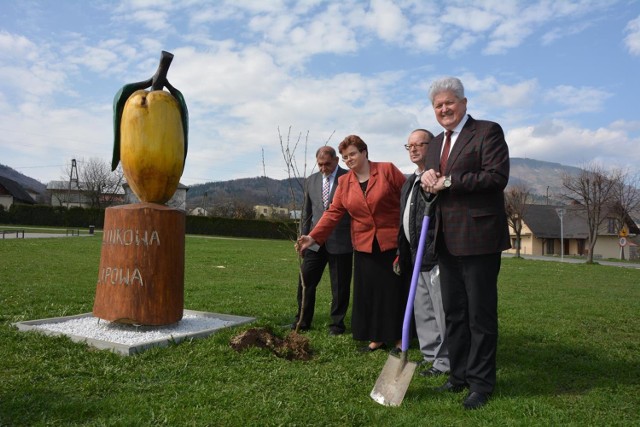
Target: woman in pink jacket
pixel 370 194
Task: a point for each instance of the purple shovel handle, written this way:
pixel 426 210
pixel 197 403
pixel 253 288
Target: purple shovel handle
pixel 408 312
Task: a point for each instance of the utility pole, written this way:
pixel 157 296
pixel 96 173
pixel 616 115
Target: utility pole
pixel 561 212
pixel 547 194
pixel 204 202
pixel 73 177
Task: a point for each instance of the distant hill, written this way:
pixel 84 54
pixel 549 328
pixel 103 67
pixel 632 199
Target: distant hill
pixel 26 182
pixel 538 175
pixel 250 191
pixel 544 179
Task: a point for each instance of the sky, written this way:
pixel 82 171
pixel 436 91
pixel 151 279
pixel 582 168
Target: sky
pixel 260 76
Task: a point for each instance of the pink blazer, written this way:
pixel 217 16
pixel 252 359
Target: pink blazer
pixel 375 213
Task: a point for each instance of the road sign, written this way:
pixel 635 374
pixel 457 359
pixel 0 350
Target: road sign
pixel 622 241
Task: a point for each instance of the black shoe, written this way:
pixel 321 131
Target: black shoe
pixel 453 388
pixel 367 349
pixel 431 372
pixel 475 400
pixel 422 363
pixel 300 329
pixel 395 351
pixel 336 331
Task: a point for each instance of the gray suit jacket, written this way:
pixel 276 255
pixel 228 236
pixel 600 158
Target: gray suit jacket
pixel 339 242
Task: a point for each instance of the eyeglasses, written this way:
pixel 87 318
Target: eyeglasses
pixel 418 145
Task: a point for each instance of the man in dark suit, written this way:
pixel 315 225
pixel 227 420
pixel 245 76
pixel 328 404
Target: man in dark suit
pixel 468 166
pixel 337 250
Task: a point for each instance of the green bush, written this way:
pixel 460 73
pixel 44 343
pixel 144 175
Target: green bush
pixel 60 216
pixel 4 215
pixel 240 227
pixel 36 215
pixel 80 217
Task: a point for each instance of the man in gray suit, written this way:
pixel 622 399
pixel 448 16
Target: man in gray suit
pixel 427 305
pixel 337 251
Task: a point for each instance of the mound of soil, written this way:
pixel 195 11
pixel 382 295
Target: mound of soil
pixel 293 347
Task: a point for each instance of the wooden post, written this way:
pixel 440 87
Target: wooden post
pixel 141 276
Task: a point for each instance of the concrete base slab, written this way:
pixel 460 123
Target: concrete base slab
pixel 131 339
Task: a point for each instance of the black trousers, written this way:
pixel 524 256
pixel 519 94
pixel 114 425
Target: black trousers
pixel 470 298
pixel 340 270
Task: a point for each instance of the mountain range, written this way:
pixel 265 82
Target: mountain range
pixel 543 178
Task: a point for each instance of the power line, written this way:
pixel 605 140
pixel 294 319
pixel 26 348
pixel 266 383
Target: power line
pixel 41 166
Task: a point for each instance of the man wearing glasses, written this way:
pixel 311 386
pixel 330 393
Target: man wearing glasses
pixel 427 305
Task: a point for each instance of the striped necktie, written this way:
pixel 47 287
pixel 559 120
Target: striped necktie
pixel 325 191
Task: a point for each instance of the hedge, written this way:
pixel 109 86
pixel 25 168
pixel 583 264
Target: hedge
pixel 80 217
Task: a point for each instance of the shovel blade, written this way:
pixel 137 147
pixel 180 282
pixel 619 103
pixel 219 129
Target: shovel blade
pixel 393 381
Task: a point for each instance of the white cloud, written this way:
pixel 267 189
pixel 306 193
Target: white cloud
pixel 471 19
pixel 518 24
pixel 508 34
pixel 96 59
pixel 427 37
pixel 293 39
pixel 632 40
pixel 16 47
pixel 565 142
pixel 630 126
pixel 155 20
pixel 462 43
pixel 247 67
pixel 53 136
pixel 563 31
pixel 29 71
pixel 387 20
pixel 126 6
pixel 519 95
pixel 256 7
pixel 223 76
pixel 577 100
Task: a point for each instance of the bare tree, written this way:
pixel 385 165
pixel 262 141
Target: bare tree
pixel 101 188
pixel 592 189
pixel 288 150
pixel 626 199
pixel 289 155
pixel 516 200
pixel 104 187
pixel 243 210
pixel 293 173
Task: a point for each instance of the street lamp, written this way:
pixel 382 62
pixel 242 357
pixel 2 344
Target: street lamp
pixel 561 212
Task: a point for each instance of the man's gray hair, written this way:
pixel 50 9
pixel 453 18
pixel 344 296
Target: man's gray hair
pixel 447 83
pixel 326 150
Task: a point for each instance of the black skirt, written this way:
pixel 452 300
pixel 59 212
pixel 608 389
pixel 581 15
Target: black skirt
pixel 379 297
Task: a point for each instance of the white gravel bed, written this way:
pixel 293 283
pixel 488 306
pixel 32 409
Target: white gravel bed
pixel 92 327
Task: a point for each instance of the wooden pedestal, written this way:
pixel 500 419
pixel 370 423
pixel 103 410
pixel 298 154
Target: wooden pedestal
pixel 141 277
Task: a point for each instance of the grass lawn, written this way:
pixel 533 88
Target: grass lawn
pixel 569 349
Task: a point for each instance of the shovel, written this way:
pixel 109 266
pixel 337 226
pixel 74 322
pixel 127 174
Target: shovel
pixel 396 374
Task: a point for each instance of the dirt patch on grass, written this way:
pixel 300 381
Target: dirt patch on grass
pixel 293 347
